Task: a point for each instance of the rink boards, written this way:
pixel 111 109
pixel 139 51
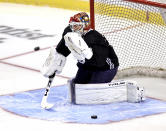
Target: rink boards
pixel 27 104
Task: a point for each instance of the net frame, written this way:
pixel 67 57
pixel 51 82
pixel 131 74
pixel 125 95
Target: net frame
pixel 135 70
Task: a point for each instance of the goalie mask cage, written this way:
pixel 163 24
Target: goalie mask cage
pixel 137 31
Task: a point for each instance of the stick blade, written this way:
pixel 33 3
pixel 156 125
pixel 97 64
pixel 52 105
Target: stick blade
pixel 46 105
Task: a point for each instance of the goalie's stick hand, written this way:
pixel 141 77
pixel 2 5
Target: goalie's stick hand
pixel 44 103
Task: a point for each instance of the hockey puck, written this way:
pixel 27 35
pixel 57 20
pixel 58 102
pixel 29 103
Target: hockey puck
pixel 94 117
pixel 37 48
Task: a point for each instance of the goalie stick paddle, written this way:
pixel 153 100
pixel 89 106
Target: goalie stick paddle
pixel 44 103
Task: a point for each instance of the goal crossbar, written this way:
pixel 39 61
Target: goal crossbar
pixel 148 2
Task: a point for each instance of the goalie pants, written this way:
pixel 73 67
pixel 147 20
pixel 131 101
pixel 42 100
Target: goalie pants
pixel 84 76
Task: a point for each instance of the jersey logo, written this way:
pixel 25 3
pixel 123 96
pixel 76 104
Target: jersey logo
pixel 109 62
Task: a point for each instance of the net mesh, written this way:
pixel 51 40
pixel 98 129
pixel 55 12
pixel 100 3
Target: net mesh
pixel 136 31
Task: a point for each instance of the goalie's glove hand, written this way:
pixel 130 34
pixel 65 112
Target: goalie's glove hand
pixel 77 46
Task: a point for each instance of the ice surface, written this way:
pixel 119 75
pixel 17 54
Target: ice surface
pixel 14 79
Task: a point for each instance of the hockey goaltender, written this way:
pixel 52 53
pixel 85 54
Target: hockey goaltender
pixel 97 66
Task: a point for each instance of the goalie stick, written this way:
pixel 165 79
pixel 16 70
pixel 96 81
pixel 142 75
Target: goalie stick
pixel 44 103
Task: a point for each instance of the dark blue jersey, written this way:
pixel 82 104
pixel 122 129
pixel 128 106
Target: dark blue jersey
pixel 104 56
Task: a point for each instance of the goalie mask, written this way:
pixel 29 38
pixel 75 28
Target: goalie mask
pixel 80 22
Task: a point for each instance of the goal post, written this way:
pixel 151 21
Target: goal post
pixel 137 31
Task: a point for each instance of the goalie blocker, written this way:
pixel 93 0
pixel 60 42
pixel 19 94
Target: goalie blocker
pixel 55 62
pixel 117 91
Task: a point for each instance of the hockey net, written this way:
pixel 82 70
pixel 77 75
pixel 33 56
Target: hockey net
pixel 137 31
